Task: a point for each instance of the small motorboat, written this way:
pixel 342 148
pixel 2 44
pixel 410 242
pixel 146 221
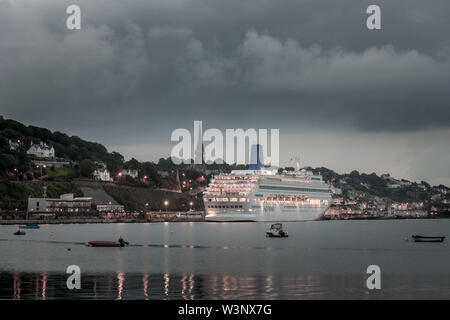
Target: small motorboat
pixel 118 243
pixel 29 226
pixel 19 233
pixel 417 238
pixel 276 231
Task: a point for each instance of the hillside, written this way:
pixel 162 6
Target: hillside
pixel 69 148
pixel 144 198
pixel 384 186
pixel 14 194
pixel 19 178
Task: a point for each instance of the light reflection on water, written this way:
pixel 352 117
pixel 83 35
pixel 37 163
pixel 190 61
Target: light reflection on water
pixel 188 287
pixel 145 285
pixel 120 281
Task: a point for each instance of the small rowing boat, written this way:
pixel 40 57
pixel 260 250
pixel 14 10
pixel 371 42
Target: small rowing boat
pixel 119 243
pixel 104 244
pixel 427 239
pixel 19 233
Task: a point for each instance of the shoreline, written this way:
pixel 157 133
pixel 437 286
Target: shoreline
pixel 156 220
pixel 96 221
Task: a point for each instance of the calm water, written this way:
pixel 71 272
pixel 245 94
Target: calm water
pixel 319 260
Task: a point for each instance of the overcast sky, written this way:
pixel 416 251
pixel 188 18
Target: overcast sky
pixel 342 96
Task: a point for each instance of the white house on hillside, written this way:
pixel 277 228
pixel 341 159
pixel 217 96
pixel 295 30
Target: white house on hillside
pixel 41 150
pixel 130 172
pixel 102 174
pixel 13 145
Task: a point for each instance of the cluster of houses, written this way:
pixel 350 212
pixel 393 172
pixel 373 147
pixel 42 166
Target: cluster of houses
pixel 375 207
pixel 358 203
pixel 354 205
pixel 43 150
pixel 103 174
pixel 393 183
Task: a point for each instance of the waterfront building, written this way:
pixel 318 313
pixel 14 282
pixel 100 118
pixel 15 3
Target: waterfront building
pixel 66 204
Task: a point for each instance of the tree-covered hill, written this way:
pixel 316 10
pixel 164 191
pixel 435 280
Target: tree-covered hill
pixel 69 148
pixel 73 148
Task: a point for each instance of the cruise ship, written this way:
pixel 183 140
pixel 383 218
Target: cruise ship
pixel 266 196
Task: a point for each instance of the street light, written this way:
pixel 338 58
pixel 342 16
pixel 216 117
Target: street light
pixel 166 203
pixel 41 166
pixel 191 204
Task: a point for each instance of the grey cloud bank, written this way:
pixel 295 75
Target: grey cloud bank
pixel 136 71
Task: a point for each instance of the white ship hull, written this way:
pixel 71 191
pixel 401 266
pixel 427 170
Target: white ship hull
pixel 269 214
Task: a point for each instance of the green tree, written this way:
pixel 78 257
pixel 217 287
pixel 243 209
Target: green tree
pixel 114 162
pixel 132 164
pixel 87 167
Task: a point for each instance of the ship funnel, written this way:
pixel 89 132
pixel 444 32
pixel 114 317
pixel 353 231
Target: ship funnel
pixel 256 159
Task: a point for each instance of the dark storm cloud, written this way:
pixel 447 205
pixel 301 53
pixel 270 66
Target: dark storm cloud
pixel 283 64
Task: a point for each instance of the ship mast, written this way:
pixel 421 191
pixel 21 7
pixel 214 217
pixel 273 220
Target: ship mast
pixel 297 163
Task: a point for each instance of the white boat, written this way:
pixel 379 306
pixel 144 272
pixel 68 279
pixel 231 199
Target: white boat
pixel 276 231
pixel 266 196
